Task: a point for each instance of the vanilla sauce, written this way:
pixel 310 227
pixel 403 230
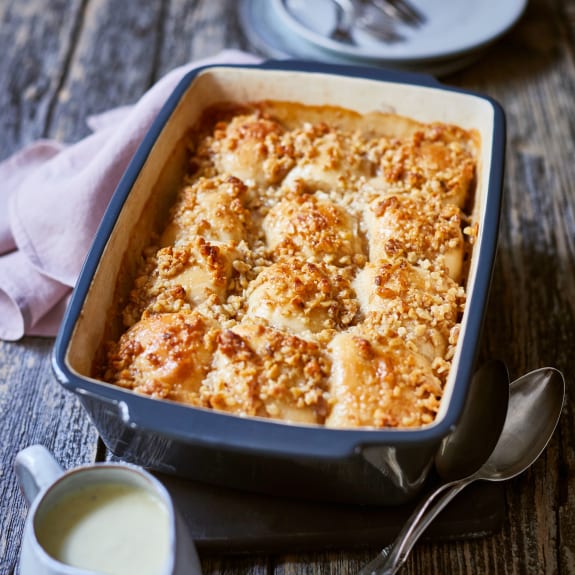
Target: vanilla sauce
pixel 112 528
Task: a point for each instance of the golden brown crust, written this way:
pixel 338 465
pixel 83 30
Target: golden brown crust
pixel 181 277
pixel 419 303
pixel 416 228
pixel 213 208
pixel 312 269
pixel 326 158
pixel 302 297
pixel 438 159
pixel 166 356
pixel 314 228
pixel 261 371
pixel 251 148
pixel 380 382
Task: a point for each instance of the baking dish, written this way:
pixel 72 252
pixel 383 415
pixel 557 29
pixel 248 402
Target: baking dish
pixel 385 466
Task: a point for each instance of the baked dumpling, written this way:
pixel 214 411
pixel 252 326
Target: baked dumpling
pixel 422 304
pixel 327 159
pixel 380 382
pixel 437 159
pixel 250 148
pixel 164 355
pixel 213 208
pixel 302 297
pixel 262 371
pixel 314 228
pixel 181 278
pixel 416 228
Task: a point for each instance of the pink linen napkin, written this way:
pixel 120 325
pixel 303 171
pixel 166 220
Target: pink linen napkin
pixel 52 198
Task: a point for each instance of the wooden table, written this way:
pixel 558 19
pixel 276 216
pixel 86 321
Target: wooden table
pixel 62 60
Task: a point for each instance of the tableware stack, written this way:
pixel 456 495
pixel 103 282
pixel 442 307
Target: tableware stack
pixel 441 37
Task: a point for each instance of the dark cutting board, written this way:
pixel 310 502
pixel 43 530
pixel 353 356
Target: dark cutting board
pixel 229 521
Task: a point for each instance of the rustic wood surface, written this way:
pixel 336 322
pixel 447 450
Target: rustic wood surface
pixel 62 60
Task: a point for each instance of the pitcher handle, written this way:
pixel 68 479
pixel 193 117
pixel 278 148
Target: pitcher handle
pixel 35 469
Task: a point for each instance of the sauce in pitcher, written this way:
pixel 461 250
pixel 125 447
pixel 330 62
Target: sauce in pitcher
pixel 111 528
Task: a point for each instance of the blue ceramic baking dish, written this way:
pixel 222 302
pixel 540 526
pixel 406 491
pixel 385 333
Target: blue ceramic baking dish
pixel 386 466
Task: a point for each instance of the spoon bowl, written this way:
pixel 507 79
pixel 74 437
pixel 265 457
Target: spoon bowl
pixel 535 404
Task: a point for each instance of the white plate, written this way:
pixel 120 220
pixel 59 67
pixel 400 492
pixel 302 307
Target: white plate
pixel 268 35
pixel 452 27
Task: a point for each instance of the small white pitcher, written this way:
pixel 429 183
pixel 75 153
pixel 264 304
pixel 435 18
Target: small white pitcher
pixel 45 485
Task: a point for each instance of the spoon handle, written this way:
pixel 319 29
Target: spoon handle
pixel 394 556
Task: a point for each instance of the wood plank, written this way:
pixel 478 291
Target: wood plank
pixel 196 29
pixel 247 565
pixel 531 317
pixel 343 562
pixel 51 417
pixel 79 58
pixel 113 62
pixel 35 44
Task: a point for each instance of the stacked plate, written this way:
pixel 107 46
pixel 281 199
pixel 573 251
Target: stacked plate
pixel 450 34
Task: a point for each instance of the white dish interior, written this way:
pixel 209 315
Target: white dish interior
pixel 160 176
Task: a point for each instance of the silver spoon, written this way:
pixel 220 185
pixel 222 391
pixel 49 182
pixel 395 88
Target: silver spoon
pixel 535 404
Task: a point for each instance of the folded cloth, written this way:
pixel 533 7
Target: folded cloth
pixel 52 198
